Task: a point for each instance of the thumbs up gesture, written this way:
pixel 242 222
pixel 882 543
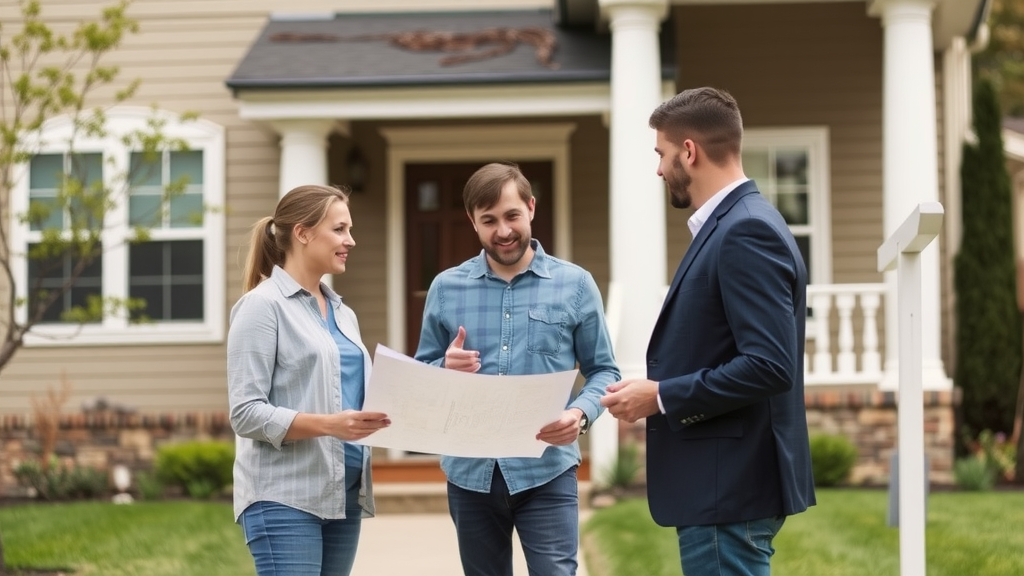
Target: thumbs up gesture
pixel 458 358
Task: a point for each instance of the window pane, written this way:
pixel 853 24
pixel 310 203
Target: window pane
pixel 45 171
pixel 153 297
pixel 52 274
pixel 87 206
pixel 187 303
pixel 791 167
pixel 144 210
pixel 428 197
pixel 46 213
pixel 187 211
pixel 792 203
pixel 188 164
pixel 186 258
pixel 146 259
pixel 87 168
pixel 145 173
pixel 169 277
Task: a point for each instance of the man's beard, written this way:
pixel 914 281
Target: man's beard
pixel 678 182
pixel 508 259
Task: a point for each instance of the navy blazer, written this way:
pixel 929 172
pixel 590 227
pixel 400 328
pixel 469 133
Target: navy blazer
pixel 727 351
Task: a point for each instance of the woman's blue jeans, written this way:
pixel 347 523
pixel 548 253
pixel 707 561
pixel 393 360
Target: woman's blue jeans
pixel 546 518
pixel 288 542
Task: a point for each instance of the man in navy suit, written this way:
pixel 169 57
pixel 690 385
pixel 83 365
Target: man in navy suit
pixel 727 449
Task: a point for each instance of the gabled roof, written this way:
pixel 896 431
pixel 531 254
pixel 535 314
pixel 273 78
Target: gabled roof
pixel 366 50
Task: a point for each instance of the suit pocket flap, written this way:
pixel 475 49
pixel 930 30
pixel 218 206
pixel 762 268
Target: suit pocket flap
pixel 695 283
pixel 714 428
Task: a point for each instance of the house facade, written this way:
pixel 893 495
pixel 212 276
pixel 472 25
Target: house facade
pixel 854 112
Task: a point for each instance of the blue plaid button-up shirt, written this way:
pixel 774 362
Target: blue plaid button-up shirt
pixel 547 319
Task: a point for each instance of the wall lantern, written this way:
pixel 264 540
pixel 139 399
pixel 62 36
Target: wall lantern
pixel 357 169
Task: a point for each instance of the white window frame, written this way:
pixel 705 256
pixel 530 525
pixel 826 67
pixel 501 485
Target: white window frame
pixel 116 329
pixel 816 140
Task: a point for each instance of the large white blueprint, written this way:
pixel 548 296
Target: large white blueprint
pixel 443 411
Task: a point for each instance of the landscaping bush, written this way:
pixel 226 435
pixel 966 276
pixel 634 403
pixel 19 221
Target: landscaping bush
pixel 201 469
pixel 623 473
pixel 973 474
pixel 832 458
pixel 59 482
pixel 150 486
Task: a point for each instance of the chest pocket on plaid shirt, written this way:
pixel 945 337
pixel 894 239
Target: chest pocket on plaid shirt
pixel 545 330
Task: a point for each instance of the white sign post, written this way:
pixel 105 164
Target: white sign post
pixel 902 251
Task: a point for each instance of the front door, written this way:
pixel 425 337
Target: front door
pixel 439 234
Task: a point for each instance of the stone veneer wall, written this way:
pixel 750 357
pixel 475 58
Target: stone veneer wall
pixel 869 420
pixel 104 439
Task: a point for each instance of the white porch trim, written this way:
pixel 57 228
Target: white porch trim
pixel 910 166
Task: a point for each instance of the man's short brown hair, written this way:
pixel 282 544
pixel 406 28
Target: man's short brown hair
pixel 708 116
pixel 483 189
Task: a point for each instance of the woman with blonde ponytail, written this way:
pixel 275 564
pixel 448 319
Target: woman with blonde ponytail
pixel 297 371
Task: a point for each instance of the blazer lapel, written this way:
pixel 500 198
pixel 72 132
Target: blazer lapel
pixel 748 187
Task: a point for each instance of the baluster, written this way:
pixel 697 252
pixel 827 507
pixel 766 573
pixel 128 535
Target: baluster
pixel 846 361
pixel 822 305
pixel 871 361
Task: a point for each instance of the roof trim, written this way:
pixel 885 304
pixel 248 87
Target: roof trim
pixel 527 100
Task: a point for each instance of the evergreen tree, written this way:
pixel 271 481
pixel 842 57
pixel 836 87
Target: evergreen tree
pixel 988 335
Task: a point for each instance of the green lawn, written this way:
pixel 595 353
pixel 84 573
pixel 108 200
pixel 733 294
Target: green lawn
pixel 148 538
pixel 968 534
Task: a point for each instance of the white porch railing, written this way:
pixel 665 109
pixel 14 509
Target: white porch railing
pixel 844 332
pixel 849 313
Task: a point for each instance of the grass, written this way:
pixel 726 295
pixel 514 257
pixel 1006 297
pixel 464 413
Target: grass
pixel 967 533
pixel 186 538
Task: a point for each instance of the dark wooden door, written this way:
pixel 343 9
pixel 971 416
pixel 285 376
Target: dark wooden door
pixel 439 234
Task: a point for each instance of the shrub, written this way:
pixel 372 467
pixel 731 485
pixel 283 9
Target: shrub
pixel 974 474
pixel 623 472
pixel 997 452
pixel 59 482
pixel 150 486
pixel 199 468
pixel 832 458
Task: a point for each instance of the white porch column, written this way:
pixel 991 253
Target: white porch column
pixel 910 166
pixel 637 195
pixel 303 152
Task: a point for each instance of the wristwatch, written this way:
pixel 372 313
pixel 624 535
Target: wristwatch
pixel 584 424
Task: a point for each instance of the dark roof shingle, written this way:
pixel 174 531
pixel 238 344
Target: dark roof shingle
pixel 353 50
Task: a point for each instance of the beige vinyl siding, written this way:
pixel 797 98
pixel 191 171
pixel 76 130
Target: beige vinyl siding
pixel 793 65
pixel 182 54
pixel 591 234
